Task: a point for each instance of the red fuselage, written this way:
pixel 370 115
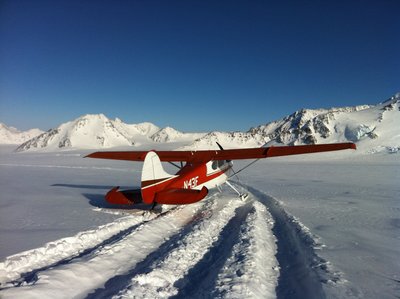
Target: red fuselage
pixel 190 177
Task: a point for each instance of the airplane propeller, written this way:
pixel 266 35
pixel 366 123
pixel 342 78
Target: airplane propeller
pixel 221 148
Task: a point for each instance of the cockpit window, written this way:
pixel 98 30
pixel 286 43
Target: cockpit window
pixel 218 164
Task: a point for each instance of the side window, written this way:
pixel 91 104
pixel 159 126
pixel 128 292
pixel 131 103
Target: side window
pixel 221 163
pixel 214 165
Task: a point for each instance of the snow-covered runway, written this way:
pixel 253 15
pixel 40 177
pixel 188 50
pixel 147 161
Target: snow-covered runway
pixel 221 247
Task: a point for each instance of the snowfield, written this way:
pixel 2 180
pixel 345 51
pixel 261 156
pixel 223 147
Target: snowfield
pixel 314 226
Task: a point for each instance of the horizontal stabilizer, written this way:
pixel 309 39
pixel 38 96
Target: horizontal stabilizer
pixel 125 197
pixel 180 196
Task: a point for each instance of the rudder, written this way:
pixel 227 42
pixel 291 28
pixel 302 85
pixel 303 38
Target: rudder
pixel 154 177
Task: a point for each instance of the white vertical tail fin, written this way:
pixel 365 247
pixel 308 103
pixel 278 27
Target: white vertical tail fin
pixel 153 175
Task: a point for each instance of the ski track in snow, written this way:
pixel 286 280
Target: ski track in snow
pixel 22 268
pixel 303 273
pixel 171 275
pixel 251 271
pixel 89 271
pixel 220 248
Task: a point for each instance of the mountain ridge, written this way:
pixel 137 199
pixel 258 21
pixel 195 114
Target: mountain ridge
pixel 11 135
pixel 373 127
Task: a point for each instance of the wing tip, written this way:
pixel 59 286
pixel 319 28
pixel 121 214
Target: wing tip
pixel 91 155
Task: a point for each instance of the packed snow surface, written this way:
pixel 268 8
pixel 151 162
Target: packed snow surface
pixel 314 226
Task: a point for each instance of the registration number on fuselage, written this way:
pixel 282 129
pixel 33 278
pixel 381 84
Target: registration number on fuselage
pixel 191 183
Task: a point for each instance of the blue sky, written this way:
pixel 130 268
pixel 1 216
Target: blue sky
pixel 193 65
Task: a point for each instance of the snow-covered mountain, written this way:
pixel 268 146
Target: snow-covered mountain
pixel 11 135
pixel 374 128
pixel 142 129
pixel 96 131
pixel 305 126
pixel 166 134
pixel 169 134
pixel 92 131
pixel 226 139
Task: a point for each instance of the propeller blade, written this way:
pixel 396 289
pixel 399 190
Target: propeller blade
pixel 220 146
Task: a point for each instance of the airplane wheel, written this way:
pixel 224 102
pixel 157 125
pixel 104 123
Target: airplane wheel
pixel 244 196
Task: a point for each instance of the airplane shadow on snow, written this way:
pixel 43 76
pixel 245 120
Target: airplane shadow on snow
pixel 80 186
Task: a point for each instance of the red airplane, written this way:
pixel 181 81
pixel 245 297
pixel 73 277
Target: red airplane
pixel 203 170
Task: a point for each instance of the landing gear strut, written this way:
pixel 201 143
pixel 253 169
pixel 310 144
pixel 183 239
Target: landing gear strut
pixel 243 196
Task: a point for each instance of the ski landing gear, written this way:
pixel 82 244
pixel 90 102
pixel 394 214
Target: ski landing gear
pixel 242 196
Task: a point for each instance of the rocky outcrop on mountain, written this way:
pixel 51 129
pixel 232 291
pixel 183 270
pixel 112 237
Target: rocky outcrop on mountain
pixel 305 126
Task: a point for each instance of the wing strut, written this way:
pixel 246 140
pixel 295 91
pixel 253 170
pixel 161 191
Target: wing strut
pixel 177 166
pixel 248 165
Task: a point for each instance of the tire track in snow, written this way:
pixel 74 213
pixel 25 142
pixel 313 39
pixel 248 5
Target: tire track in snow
pixel 252 270
pixel 22 268
pixel 302 272
pixel 200 276
pixel 229 255
pixel 241 264
pixel 157 274
pixel 91 271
